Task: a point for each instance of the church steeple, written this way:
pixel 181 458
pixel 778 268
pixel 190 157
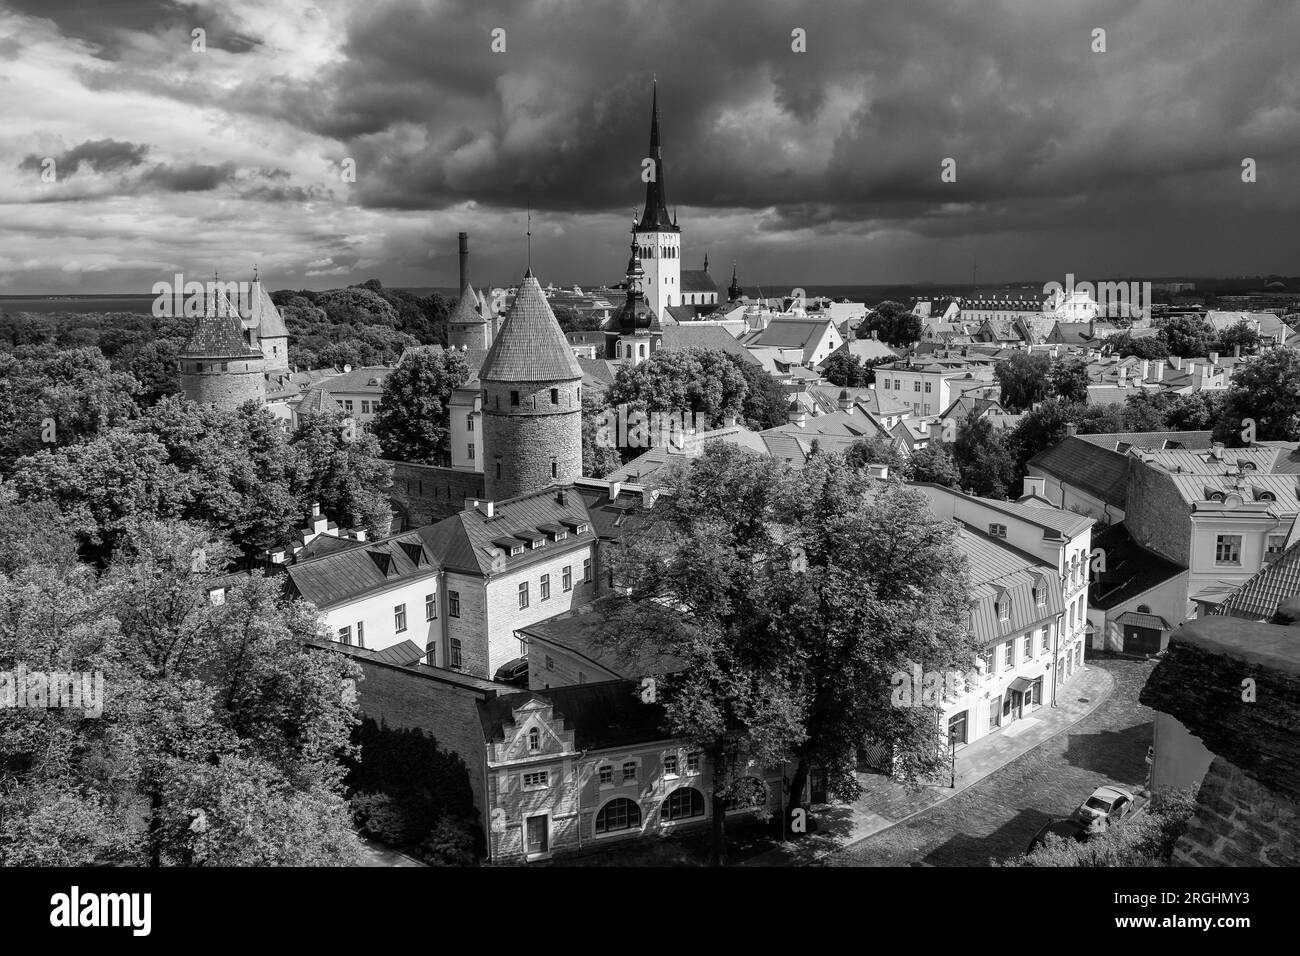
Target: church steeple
pixel 734 291
pixel 656 218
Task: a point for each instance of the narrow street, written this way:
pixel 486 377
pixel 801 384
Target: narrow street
pixel 998 816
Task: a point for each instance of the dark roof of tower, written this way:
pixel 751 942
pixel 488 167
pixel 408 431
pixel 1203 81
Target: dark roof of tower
pixel 530 347
pixel 466 311
pixel 656 218
pixel 270 324
pixel 218 333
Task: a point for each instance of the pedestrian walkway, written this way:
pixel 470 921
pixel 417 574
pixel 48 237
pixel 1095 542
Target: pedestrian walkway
pixel 374 853
pixel 885 802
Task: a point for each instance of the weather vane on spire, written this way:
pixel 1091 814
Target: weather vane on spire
pixel 529 235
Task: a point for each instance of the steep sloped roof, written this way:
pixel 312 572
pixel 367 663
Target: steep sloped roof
pixel 1101 472
pixel 346 575
pixel 530 347
pixel 697 280
pixel 270 324
pixel 1258 598
pixel 219 333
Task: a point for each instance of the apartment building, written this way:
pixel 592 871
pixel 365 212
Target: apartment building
pixel 928 386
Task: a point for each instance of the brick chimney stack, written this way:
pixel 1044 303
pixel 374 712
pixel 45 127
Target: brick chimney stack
pixel 464 259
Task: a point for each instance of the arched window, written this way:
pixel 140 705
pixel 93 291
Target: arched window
pixel 684 803
pixel 620 814
pixel 534 739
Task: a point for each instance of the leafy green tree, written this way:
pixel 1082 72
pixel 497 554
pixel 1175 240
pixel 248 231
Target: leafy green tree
pixel 893 323
pixel 412 424
pixel 1145 347
pixel 598 459
pixel 765 402
pixel 1024 379
pixel 706 383
pixel 845 370
pixel 983 458
pixel 222 735
pixel 1267 392
pixel 756 558
pixel 51 399
pixel 879 451
pixel 1188 335
pixel 339 465
pixel 933 463
pixel 1068 380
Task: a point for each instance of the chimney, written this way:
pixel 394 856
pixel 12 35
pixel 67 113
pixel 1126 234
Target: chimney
pixel 1071 429
pixel 1146 369
pixel 1123 375
pixel 464 259
pixel 1178 362
pixel 276 556
pixel 561 498
pixel 1035 486
pixel 614 488
pixel 471 504
pixel 1214 358
pixel 315 509
pixel 489 509
pixel 1236 350
pixel 728 421
pixel 358 533
pixel 1158 370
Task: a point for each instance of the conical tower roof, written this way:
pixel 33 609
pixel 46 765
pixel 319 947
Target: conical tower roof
pixel 656 218
pixel 467 308
pixel 530 347
pixel 219 332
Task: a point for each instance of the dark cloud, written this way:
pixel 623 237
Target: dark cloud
pixel 188 178
pixel 102 155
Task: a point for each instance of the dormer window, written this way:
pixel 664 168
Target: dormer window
pixel 516 550
pixel 534 739
pixel 536 543
pixel 998 530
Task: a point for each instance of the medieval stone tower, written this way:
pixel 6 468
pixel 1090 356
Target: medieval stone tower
pixel 532 401
pixel 220 364
pixel 468 326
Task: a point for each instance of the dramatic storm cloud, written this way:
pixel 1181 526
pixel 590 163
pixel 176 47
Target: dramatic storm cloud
pixel 814 167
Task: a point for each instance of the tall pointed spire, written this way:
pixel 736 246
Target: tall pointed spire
pixel 656 218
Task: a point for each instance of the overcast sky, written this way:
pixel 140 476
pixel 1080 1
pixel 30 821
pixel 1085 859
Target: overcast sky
pixel 806 168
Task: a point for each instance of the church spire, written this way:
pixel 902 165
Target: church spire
pixel 656 218
pixel 734 291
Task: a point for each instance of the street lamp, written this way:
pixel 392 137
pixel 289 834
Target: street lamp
pixel 952 756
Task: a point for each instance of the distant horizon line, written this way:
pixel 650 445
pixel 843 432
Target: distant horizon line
pixel 785 287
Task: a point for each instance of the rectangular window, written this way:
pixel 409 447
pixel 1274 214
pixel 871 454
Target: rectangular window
pixel 886 381
pixel 1046 644
pixel 606 774
pixel 345 635
pixel 550 662
pixel 1029 646
pixel 629 771
pixel 995 713
pixel 399 618
pixel 455 652
pixel 566 578
pixel 987 658
pixel 535 779
pixel 692 763
pixel 957 728
pixel 1276 544
pixel 1009 661
pixel 470 446
pixel 361 634
pixel 586 570
pixel 523 595
pixel 430 607
pixel 1227 549
pixel 916 386
pixel 469 423
pixel 347 404
pixel 670 764
pixel 365 407
pixel 898 385
pixel 546 587
pixel 928 387
pixel 453 604
pixel 998 530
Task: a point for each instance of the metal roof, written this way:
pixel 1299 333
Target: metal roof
pixel 530 347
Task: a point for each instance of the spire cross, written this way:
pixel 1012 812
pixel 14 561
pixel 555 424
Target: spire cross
pixel 529 235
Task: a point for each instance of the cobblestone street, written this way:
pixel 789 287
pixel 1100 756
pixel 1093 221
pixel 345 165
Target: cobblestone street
pixel 998 816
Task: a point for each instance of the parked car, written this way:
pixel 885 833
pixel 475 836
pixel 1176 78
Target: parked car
pixel 1067 829
pixel 1106 806
pixel 513 672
